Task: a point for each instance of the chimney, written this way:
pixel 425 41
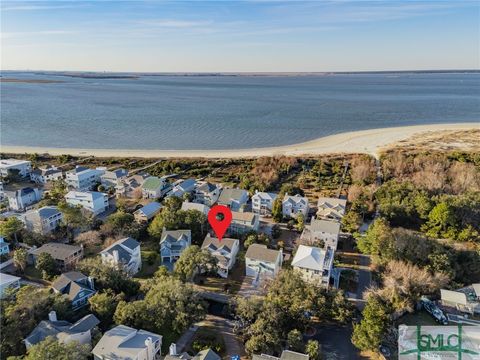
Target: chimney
pixel 116 258
pixel 173 349
pixel 150 348
pixel 52 316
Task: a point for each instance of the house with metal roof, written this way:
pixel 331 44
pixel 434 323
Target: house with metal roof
pixel 232 198
pixel 83 178
pixel 173 243
pixel 293 206
pixel 206 193
pixel 43 220
pixel 147 212
pixel 92 201
pixel 262 261
pixel 154 187
pixel 224 251
pixel 124 253
pixel 126 343
pixel 314 264
pixel 76 286
pixel 63 331
pixel 182 187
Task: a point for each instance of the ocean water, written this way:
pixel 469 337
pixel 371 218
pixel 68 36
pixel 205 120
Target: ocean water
pixel 225 112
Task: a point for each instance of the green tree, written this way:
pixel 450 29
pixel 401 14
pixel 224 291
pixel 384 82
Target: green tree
pixel 277 212
pixel 352 221
pixel 10 227
pixel 72 217
pixel 103 305
pixel 295 340
pixel 378 241
pixel 441 221
pixel 368 334
pixel 20 257
pixel 52 349
pixel 194 260
pixel 313 350
pixel 46 264
pixel 300 223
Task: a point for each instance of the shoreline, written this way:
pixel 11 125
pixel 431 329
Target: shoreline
pixel 362 141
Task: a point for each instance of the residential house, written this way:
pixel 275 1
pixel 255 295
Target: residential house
pixel 2 191
pixel 173 242
pixel 322 231
pixel 286 355
pixel 46 174
pixel 293 206
pixel 77 287
pixel 331 208
pixel 125 343
pixel 63 331
pixel 10 167
pixel 261 261
pixel 243 222
pixel 43 220
pixel 314 264
pixel 466 300
pixel 235 199
pixel 131 186
pixel 154 187
pixel 83 179
pixel 92 201
pixel 113 179
pixel 206 193
pixel 21 199
pixel 147 212
pixel 182 187
pixel 205 354
pixel 125 253
pixel 204 209
pixel 8 281
pixel 4 247
pixel 224 251
pixel 262 202
pixel 66 256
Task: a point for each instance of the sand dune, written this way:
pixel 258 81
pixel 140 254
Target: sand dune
pixel 365 141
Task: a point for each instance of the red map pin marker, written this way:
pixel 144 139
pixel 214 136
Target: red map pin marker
pixel 219 218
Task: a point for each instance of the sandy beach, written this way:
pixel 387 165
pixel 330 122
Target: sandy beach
pixel 365 141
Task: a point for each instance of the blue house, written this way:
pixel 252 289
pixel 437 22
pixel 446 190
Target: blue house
pixel 4 247
pixel 76 286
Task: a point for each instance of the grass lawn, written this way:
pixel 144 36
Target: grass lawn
pixel 148 269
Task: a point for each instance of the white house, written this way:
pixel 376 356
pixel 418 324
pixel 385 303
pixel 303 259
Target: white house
pixel 147 212
pixel 206 193
pixel 125 343
pixel 182 187
pixel 63 331
pixel 43 220
pixel 4 246
pixel 331 208
pixel 12 166
pixel 131 186
pixel 173 242
pixel 314 264
pixel 77 287
pixel 124 253
pixel 46 174
pixel 326 231
pixel 195 206
pixel 224 251
pixel 261 261
pixel 154 187
pixel 83 178
pixel 262 202
pixel 113 179
pixel 21 199
pixel 92 201
pixel 243 222
pixel 292 206
pixel 235 199
pixel 8 282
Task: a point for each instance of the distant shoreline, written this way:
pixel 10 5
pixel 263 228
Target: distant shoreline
pixel 363 141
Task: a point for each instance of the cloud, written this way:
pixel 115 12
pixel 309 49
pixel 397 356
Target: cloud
pixel 38 7
pixel 175 23
pixel 19 34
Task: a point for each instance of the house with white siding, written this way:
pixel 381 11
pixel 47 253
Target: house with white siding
pixel 124 253
pixel 154 187
pixel 262 261
pixel 21 199
pixel 322 231
pixel 234 199
pixel 46 174
pixel 44 220
pixel 147 212
pixel 82 178
pixel 173 243
pixel 182 187
pixel 224 251
pixel 112 179
pixel 331 208
pixel 204 209
pixel 293 206
pixel 314 264
pixel 206 193
pixel 93 201
pixel 243 222
pixel 10 167
pixel 262 202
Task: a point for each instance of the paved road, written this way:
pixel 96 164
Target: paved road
pixel 364 276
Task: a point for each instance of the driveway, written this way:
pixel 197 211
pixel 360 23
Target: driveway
pixel 336 343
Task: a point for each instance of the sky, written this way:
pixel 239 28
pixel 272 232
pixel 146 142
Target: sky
pixel 239 36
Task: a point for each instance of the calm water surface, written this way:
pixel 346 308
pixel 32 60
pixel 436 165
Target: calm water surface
pixel 225 112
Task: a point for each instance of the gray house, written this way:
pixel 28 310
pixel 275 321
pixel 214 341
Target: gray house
pixel 173 242
pixel 76 286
